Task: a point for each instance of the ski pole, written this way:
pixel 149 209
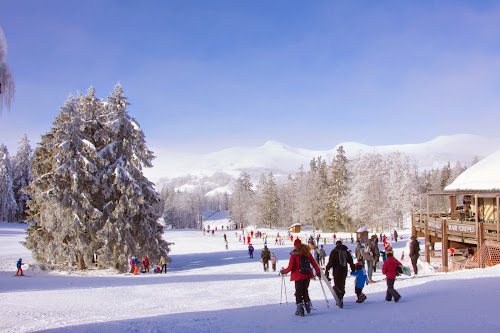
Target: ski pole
pixel 323 288
pixel 281 295
pixel 286 296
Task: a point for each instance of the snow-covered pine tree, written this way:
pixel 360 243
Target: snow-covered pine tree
pixel 286 194
pixel 241 200
pixel 336 216
pixel 8 206
pixel 130 217
pixel 270 202
pixel 63 194
pixel 22 174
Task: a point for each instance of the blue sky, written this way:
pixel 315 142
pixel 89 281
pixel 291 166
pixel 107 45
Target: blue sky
pixel 207 75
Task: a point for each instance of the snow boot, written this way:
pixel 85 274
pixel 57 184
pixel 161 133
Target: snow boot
pixel 300 310
pixel 362 298
pixel 308 306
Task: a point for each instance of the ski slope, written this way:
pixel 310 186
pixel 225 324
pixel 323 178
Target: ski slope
pixel 211 289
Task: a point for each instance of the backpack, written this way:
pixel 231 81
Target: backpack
pixel 361 254
pixel 305 265
pixel 368 250
pixel 343 258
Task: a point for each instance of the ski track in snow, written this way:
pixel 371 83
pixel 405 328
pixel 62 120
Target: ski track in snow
pixel 210 289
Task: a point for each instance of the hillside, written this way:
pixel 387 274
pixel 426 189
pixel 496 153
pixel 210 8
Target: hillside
pixel 216 171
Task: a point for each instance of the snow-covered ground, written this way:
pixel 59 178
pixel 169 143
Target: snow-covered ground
pixel 211 289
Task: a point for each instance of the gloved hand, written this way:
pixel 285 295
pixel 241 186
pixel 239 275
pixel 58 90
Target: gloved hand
pixel 318 274
pixel 281 271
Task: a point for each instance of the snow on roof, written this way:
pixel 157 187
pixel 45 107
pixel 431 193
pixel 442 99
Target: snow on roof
pixel 295 224
pixel 362 229
pixel 482 176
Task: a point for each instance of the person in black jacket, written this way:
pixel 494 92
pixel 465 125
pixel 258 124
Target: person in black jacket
pixel 414 254
pixel 338 261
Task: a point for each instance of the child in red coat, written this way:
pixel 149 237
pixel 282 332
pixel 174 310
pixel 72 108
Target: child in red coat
pixel 390 269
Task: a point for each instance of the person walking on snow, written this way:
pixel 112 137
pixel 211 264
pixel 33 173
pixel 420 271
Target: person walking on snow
pixel 395 236
pixel 300 263
pixel 322 256
pixel 414 254
pixel 338 261
pixel 274 260
pixel 250 250
pixel 265 256
pixel 19 267
pixel 359 283
pixel 390 269
pixel 371 256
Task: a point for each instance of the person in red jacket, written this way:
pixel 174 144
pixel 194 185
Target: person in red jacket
pixel 301 274
pixel 390 269
pixel 145 264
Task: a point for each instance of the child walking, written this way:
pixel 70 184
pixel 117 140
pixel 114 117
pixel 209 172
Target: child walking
pixel 390 269
pixel 274 260
pixel 360 282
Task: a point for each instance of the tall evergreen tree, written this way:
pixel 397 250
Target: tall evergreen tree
pixel 8 206
pixel 241 200
pixel 22 175
pixel 336 216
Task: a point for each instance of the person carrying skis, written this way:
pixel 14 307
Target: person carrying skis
pixel 250 250
pixel 19 267
pixel 359 252
pixel 265 256
pixel 360 282
pixel 300 263
pixel 390 269
pixel 338 261
pixel 274 260
pixel 371 255
pixel 414 254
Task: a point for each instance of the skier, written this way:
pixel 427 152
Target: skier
pixel 371 255
pixel 300 266
pixel 274 260
pixel 19 267
pixel 250 250
pixel 145 264
pixel 334 239
pixel 359 283
pixel 136 265
pixel 390 269
pixel 339 258
pixel 265 256
pixel 248 239
pixel 414 254
pixel 163 264
pixel 395 236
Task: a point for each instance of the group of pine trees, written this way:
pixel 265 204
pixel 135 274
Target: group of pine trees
pixel 373 190
pixel 89 200
pixel 15 174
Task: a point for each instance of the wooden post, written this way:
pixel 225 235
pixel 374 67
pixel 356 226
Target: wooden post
pixel 427 235
pixel 481 241
pixel 444 244
pixel 477 223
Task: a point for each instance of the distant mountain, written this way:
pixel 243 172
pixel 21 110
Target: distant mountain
pixel 217 171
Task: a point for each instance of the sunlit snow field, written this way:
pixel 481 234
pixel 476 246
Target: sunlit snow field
pixel 211 289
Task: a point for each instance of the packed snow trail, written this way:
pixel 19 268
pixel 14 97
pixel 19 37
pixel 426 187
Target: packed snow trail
pixel 210 289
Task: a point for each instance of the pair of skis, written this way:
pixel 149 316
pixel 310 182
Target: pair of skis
pixel 338 300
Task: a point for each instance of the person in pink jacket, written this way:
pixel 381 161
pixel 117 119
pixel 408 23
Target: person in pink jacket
pixel 390 269
pixel 300 263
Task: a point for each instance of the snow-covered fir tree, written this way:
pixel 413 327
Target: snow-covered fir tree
pixel 241 200
pixel 269 203
pixel 22 175
pixel 90 200
pixel 336 215
pixel 8 206
pixel 130 218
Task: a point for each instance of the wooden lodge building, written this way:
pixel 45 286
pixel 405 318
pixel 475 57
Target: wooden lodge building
pixel 473 215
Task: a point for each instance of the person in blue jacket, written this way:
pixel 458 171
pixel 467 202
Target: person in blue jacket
pixel 19 267
pixel 361 281
pixel 250 250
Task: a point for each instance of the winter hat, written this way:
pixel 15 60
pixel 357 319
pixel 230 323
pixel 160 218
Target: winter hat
pixel 265 246
pixel 339 242
pixel 321 245
pixel 389 252
pixel 297 241
pixel 358 266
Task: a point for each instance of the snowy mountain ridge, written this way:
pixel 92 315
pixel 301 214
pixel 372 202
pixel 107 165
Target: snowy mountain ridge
pixel 219 169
